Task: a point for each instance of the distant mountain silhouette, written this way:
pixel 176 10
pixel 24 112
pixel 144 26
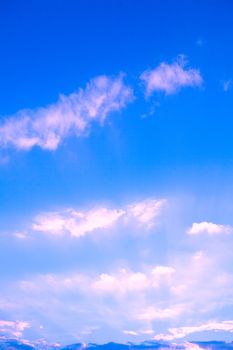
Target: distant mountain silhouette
pixel 14 344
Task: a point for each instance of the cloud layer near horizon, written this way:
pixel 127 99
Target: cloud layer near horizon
pixel 122 297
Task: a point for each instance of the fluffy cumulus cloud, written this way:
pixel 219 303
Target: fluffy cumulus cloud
pixel 170 78
pixel 208 228
pixel 47 127
pixel 79 223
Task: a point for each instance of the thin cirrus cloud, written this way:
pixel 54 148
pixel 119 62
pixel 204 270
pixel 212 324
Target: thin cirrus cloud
pixel 170 78
pixel 79 223
pixel 181 332
pixel 208 228
pixel 73 114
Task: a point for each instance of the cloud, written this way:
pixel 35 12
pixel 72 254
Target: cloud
pixel 150 297
pixel 152 313
pixel 162 274
pixel 71 115
pixel 122 282
pixel 182 332
pixel 208 228
pixel 13 328
pixel 146 211
pixel 130 333
pixel 76 223
pixel 200 42
pixel 191 346
pixel 79 223
pixel 118 283
pixel 170 78
pixel 21 235
pixel 227 85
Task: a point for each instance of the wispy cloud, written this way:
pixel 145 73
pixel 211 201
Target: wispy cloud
pixel 13 328
pixel 182 332
pixel 208 228
pixel 71 115
pixel 131 333
pixel 227 85
pixel 79 223
pixel 170 78
pixel 146 211
pixel 76 223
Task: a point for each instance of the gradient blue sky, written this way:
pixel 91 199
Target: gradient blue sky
pixel 116 165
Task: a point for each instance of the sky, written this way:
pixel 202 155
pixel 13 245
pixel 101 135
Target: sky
pixel 116 166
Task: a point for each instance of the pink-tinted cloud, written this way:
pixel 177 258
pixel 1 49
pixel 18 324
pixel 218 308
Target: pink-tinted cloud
pixel 181 332
pixel 208 228
pixel 13 328
pixel 170 78
pixel 77 223
pixel 73 114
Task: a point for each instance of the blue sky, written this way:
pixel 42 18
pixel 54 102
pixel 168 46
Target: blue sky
pixel 116 169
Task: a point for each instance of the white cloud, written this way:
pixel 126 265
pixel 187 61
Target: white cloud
pixel 162 274
pixel 182 332
pixel 122 282
pixel 131 333
pixel 21 235
pixel 146 211
pixel 227 85
pixel 73 114
pixel 163 270
pixel 191 346
pixel 152 313
pixel 13 328
pixel 169 78
pixel 118 283
pixel 78 223
pixel 209 228
pixel 125 281
pixel 131 299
